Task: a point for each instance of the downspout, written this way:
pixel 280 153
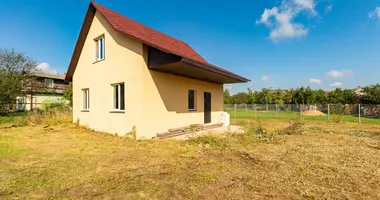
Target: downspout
pixel 31 102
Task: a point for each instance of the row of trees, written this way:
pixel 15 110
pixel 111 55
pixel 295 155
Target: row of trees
pixel 306 95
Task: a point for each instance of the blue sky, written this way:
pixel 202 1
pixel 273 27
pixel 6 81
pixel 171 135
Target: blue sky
pixel 275 43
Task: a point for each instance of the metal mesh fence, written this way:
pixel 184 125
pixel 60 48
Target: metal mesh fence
pixel 334 112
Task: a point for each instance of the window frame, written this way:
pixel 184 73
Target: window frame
pixel 118 97
pixel 86 99
pixel 194 100
pixel 99 48
pixel 52 83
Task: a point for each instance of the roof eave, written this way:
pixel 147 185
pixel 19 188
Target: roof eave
pixel 238 78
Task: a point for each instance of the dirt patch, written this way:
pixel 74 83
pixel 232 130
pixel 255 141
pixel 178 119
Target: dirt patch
pixel 313 113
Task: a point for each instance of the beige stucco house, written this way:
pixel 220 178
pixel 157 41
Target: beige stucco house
pixel 128 77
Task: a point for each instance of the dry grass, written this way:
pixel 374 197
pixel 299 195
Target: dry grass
pixel 327 161
pixel 51 116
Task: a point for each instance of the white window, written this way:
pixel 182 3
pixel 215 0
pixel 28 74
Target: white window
pixel 118 96
pixel 100 48
pixel 192 100
pixel 86 99
pixel 49 83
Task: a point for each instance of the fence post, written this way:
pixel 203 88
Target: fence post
pixel 276 111
pixel 254 110
pixel 301 111
pixel 235 110
pixel 360 121
pixel 328 111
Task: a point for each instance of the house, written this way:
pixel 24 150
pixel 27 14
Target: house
pixel 128 77
pixel 44 88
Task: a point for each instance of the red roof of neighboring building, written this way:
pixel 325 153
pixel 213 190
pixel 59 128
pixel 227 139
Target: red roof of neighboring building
pixel 148 35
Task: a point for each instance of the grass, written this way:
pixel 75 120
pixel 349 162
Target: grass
pixel 64 161
pixel 13 118
pixel 242 114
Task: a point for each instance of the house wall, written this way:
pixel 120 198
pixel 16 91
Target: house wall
pixel 123 63
pixel 166 102
pixel 23 103
pixel 154 101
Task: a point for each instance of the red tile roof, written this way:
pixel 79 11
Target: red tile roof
pixel 148 35
pixel 144 34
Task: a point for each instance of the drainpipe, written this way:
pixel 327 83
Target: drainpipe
pixel 31 102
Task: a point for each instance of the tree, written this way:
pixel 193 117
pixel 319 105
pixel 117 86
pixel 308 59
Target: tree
pixel 226 96
pixel 68 94
pixel 278 97
pixel 371 94
pixel 240 98
pixel 15 77
pixel 336 96
pixel 251 96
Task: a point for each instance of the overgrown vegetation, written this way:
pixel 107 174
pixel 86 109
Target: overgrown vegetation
pixel 324 161
pixel 53 115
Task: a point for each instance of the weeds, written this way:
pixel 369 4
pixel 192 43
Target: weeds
pixel 295 128
pixel 49 117
pixel 209 141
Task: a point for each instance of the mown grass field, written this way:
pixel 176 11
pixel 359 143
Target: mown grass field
pixel 242 114
pixel 64 161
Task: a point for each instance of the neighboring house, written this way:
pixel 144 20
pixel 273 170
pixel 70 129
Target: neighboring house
pixel 45 87
pixel 128 77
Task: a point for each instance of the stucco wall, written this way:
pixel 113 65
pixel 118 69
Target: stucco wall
pixel 23 103
pixel 154 101
pixel 123 63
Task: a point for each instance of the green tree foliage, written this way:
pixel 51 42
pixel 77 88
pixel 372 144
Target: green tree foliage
pixel 15 77
pixel 306 95
pixel 371 94
pixel 68 94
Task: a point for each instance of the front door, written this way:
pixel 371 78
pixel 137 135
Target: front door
pixel 207 107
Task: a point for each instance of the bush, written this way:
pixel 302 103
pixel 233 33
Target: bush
pixel 295 128
pixel 48 105
pixel 255 131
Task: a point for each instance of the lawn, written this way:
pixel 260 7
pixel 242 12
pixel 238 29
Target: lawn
pixel 12 118
pixel 326 161
pixel 242 114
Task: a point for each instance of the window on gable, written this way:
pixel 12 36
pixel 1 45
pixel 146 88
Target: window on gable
pixel 86 99
pixel 49 83
pixel 118 96
pixel 192 100
pixel 100 48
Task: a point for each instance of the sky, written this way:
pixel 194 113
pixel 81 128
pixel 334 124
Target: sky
pixel 275 43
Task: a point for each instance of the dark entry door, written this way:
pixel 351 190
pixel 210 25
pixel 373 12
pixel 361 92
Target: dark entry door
pixel 207 107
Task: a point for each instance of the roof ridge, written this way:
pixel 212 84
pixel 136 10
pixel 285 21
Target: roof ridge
pixel 118 26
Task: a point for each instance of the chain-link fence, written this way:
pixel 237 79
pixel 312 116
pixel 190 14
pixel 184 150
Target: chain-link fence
pixel 334 112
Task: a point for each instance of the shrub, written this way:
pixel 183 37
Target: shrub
pixel 255 131
pixel 295 128
pixel 48 105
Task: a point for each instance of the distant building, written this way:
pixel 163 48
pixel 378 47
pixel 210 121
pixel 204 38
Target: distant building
pixel 45 87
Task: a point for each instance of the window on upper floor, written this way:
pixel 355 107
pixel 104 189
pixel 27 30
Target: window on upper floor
pixel 118 96
pixel 100 50
pixel 49 83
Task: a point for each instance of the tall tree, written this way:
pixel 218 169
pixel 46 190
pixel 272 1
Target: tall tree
pixel 227 97
pixel 15 77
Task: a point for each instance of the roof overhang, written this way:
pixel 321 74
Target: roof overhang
pixel 173 64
